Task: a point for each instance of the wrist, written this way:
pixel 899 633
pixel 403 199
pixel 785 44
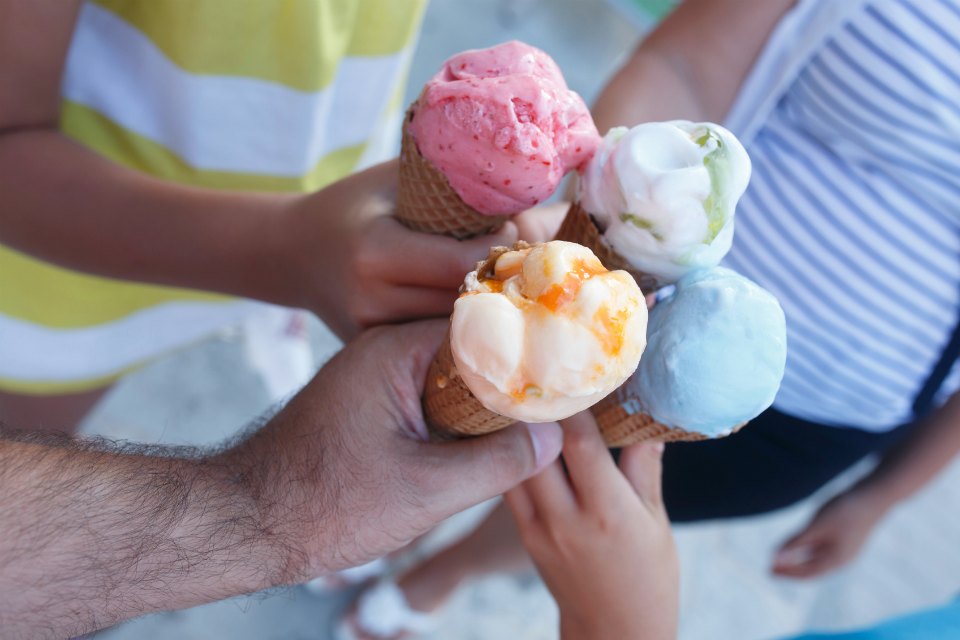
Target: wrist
pixel 573 628
pixel 269 257
pixel 876 494
pixel 253 484
pixel 297 251
pixel 277 486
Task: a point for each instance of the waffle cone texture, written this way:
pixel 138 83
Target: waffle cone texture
pixel 579 226
pixel 426 202
pixel 622 422
pixel 450 408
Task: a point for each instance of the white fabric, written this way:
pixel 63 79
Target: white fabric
pixel 79 354
pixel 852 118
pixel 797 37
pixel 277 346
pixel 384 611
pixel 222 123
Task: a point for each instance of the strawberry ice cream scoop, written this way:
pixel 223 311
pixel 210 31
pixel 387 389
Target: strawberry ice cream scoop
pixel 503 127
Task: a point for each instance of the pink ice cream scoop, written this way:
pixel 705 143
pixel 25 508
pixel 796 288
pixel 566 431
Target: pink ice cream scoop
pixel 503 127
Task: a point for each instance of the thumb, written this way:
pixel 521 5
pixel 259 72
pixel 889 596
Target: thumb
pixel 799 549
pixel 467 472
pixel 642 464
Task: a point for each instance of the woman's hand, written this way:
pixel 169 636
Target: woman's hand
pixel 833 538
pixel 601 539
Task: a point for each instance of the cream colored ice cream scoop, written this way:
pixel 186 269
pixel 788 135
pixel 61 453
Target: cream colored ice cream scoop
pixel 547 331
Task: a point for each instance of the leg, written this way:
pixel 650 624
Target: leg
pixel 492 547
pixel 61 413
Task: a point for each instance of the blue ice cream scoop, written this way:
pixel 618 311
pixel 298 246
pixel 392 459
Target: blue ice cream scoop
pixel 716 348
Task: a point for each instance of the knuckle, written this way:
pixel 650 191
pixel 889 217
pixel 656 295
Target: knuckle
pixel 367 260
pixel 576 442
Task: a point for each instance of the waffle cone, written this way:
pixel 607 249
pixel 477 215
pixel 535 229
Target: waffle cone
pixel 451 410
pixel 622 423
pixel 578 226
pixel 426 202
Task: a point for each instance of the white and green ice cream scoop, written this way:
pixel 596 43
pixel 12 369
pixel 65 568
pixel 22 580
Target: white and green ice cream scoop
pixel 664 194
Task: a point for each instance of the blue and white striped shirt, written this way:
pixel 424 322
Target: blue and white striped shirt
pixel 852 217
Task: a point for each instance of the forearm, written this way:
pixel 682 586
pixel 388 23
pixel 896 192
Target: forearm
pixel 656 627
pixel 648 88
pixel 89 538
pixel 912 464
pixel 64 204
pixel 692 65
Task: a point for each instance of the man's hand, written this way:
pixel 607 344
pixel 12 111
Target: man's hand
pixel 347 472
pixel 601 539
pixel 92 534
pixel 833 538
pixel 358 267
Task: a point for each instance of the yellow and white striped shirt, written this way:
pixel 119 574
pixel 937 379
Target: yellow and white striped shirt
pixel 278 95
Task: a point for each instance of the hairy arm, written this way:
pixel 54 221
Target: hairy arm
pixel 92 534
pixel 692 65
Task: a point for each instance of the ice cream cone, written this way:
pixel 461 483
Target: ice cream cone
pixel 426 202
pixel 490 372
pixel 622 422
pixel 578 226
pixel 451 410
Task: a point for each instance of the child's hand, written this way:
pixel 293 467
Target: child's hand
pixel 601 539
pixel 357 266
pixel 833 538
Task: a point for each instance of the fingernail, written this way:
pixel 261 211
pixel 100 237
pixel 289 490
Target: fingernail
pixel 508 231
pixel 547 439
pixel 790 557
pixel 657 447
